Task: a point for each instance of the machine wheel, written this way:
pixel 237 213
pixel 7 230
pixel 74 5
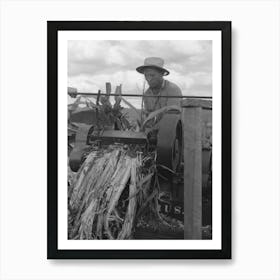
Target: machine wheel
pixel 169 142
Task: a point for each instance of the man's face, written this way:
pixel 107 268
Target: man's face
pixel 153 77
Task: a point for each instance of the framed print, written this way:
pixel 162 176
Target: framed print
pixel 139 140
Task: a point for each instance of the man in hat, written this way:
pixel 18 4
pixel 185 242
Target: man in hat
pixel 154 72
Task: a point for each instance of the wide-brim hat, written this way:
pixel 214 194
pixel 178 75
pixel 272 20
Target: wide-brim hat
pixel 153 62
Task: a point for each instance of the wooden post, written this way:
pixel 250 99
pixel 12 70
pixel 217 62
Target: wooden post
pixel 192 123
pixel 108 88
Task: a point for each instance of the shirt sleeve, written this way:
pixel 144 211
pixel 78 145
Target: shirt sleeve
pixel 174 91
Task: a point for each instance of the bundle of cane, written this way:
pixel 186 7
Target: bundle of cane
pixel 106 193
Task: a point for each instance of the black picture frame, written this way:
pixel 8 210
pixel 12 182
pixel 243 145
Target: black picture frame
pixel 52 139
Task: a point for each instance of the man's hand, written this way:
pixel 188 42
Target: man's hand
pixel 72 92
pixel 145 113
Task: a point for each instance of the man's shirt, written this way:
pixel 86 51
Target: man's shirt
pixel 156 102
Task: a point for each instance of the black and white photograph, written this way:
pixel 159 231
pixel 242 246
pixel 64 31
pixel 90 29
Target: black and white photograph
pixel 126 138
pixel 138 110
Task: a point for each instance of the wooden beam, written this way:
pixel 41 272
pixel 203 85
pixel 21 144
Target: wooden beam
pixel 203 103
pixel 108 88
pixel 192 122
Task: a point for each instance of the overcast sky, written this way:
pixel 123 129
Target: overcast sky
pixel 93 63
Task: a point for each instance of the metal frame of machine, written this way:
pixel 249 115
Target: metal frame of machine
pixel 168 143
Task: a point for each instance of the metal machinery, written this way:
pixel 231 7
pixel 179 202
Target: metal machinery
pixel 167 141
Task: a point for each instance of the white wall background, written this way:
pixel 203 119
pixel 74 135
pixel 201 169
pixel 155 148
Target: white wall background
pixel 255 139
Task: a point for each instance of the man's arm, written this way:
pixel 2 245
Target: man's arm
pixel 174 91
